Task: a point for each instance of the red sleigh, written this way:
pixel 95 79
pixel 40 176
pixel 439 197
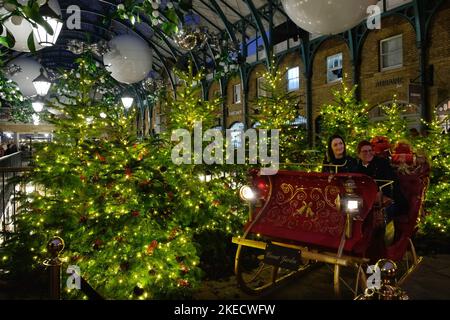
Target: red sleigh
pixel 323 218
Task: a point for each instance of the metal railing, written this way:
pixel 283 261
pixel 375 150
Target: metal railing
pixel 11 166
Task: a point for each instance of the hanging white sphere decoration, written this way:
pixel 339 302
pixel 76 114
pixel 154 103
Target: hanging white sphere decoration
pixel 129 59
pixel 21 31
pixel 29 70
pixel 327 17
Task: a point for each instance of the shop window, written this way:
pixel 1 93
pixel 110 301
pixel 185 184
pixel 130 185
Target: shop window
pixel 334 68
pixel 293 79
pixel 391 53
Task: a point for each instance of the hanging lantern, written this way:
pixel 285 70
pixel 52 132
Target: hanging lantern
pixel 42 84
pixel 127 102
pixel 44 38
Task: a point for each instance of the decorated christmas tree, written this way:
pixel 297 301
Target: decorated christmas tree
pixel 396 126
pixel 347 117
pixel 129 216
pixel 279 109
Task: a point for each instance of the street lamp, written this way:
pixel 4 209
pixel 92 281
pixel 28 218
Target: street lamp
pixel 44 38
pixel 127 102
pixel 42 84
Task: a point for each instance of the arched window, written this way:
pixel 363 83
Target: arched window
pixel 443 114
pixel 411 114
pixel 237 130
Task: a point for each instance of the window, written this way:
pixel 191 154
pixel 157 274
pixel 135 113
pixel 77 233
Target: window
pixel 293 79
pixel 237 131
pixel 334 68
pixel 260 86
pixel 237 93
pixel 391 54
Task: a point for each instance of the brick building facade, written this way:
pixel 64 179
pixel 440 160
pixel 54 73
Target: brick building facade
pixel 377 84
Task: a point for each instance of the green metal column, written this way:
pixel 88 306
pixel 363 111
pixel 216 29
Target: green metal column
pixel 307 62
pixel 259 24
pixel 421 34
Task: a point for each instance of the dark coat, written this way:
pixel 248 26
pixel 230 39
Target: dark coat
pixel 348 164
pixel 381 169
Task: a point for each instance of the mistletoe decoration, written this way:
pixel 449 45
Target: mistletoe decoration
pixel 162 13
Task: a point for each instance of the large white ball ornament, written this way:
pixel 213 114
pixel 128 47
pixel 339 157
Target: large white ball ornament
pixel 30 70
pixel 327 17
pixel 129 59
pixel 22 30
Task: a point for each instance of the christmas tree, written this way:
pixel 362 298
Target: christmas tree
pixel 347 117
pixel 279 109
pixel 129 216
pixel 396 126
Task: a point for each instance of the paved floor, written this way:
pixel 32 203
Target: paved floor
pixel 430 281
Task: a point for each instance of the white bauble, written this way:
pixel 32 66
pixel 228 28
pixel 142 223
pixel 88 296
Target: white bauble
pixel 129 59
pixel 22 31
pixel 30 70
pixel 327 17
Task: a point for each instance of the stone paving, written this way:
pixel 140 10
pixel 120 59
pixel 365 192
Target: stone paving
pixel 430 281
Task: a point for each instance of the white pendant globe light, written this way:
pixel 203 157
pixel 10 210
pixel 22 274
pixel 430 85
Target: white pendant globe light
pixel 29 70
pixel 127 102
pixel 42 84
pixel 129 59
pixel 51 13
pixel 327 17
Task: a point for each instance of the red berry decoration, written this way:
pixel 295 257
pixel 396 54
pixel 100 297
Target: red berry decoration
pixel 135 213
pixel 183 283
pixel 216 203
pixel 152 246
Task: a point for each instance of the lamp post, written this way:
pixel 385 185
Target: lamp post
pixel 42 84
pixel 44 38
